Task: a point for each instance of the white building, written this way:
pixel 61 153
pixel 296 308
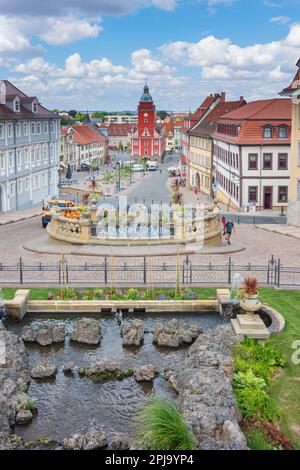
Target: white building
pixel 251 162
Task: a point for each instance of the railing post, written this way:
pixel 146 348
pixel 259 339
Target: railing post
pixel 105 270
pixel 67 272
pixel 229 270
pixel 21 270
pixel 145 270
pixel 278 273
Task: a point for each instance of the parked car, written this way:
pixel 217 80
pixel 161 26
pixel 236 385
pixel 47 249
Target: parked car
pixel 85 167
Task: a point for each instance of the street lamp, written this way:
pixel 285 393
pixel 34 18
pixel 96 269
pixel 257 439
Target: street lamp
pixel 119 176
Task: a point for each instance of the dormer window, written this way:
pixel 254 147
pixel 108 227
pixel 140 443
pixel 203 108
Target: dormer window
pixel 268 132
pixel 34 106
pixel 16 105
pixel 282 132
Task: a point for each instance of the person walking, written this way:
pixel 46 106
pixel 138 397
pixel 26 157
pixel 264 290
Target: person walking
pixel 223 222
pixel 229 230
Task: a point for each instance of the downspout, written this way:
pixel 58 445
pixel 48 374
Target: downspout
pixel 260 177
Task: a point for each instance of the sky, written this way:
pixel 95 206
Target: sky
pixel 96 54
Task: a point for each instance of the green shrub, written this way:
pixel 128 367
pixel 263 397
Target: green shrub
pixel 257 441
pixel 160 426
pixel 252 397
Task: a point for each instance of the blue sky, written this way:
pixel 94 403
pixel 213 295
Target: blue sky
pixel 96 54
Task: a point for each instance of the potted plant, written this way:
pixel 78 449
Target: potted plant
pixel 250 290
pixel 85 213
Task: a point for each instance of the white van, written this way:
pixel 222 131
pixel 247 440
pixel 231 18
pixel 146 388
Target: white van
pixel 137 168
pixel 152 166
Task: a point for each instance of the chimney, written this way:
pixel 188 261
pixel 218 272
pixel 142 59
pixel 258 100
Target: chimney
pixel 216 95
pixel 223 96
pixel 242 98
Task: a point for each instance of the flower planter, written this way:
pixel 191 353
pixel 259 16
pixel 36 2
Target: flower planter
pixel 251 299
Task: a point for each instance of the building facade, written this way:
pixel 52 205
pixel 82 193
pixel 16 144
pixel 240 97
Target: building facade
pixel 201 142
pixel 252 156
pixel 82 144
pixel 148 141
pixel 121 119
pixel 119 136
pixel 294 188
pixel 29 150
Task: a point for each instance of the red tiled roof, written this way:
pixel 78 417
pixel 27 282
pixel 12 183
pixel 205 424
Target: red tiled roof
pixel 293 86
pixel 120 129
pixel 208 125
pixel 84 135
pixel 251 119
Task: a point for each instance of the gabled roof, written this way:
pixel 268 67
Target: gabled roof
pixel 208 125
pixel 276 108
pixel 84 135
pixel 11 93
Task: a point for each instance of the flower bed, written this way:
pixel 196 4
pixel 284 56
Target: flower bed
pixel 124 294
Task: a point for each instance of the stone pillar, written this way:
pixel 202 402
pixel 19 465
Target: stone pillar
pixel 17 307
pixel 85 230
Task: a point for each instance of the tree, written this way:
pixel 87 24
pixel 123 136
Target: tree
pixel 72 113
pixel 162 114
pixel 99 115
pixel 55 111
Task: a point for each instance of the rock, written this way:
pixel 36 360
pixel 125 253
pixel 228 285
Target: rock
pixel 174 333
pixel 145 373
pixel 132 332
pixel 106 369
pixel 120 442
pixel 92 439
pixel 68 367
pixel 23 401
pixel 44 334
pixel 14 374
pixel 205 395
pixel 28 334
pixel 24 417
pixel 87 331
pixel 43 370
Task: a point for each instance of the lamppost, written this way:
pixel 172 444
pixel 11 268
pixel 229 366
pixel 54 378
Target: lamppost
pixel 119 176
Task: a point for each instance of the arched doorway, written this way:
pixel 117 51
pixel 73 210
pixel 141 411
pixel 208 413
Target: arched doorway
pixel 198 181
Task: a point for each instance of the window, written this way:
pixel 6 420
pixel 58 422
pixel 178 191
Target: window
pixel 44 181
pixel 252 161
pixel 146 143
pixel 52 127
pixel 18 129
pixel 12 189
pixel 283 194
pixel 26 156
pixel 17 105
pixel 27 184
pixel 267 161
pixel 46 127
pixel 32 128
pixel 11 160
pixel 9 130
pixel 25 128
pixel 268 132
pixel 252 194
pixel 282 161
pixel 38 128
pixel 19 158
pixel 2 161
pixel 38 154
pixel 1 131
pixel 20 186
pixel 45 151
pixel 282 132
pixel 33 155
pixel 34 107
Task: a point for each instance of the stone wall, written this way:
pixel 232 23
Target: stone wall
pixel 14 380
pixel 205 394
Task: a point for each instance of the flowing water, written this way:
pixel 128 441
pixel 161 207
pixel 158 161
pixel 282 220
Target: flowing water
pixel 69 403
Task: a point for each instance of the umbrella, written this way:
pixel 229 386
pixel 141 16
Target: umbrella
pixel 69 173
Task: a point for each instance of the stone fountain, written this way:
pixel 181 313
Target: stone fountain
pixel 249 323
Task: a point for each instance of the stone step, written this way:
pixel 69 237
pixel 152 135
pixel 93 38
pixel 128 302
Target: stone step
pixel 255 324
pixel 261 334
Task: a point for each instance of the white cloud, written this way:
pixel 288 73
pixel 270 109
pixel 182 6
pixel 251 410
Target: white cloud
pixel 144 63
pixel 65 30
pixel 280 19
pixel 11 39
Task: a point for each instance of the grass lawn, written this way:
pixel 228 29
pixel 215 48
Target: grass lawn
pixel 286 387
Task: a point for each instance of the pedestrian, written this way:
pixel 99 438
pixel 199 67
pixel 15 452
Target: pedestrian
pixel 229 229
pixel 119 317
pixel 223 222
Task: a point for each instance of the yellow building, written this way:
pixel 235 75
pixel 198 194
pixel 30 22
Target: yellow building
pixel 294 190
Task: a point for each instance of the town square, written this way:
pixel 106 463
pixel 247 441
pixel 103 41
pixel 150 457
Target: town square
pixel 149 229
